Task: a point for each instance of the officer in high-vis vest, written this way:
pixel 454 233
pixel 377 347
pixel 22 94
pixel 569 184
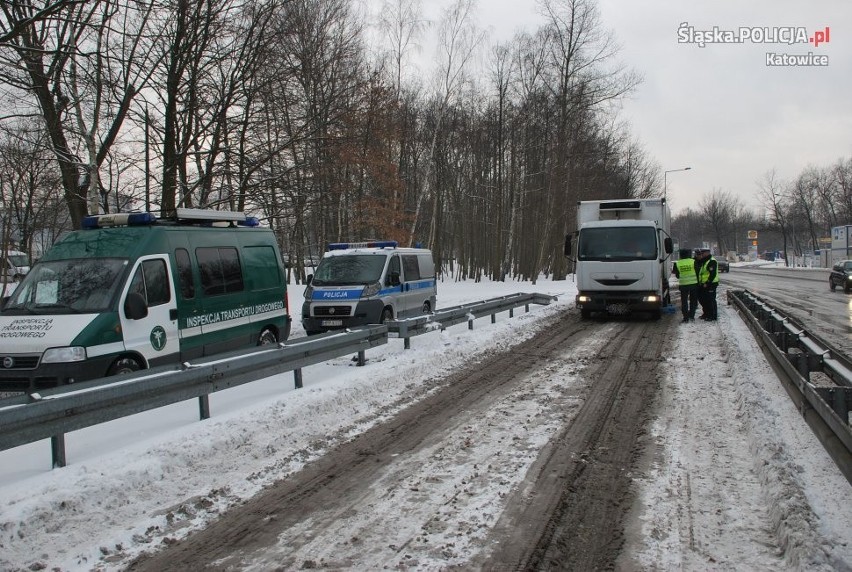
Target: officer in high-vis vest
pixel 708 280
pixel 684 269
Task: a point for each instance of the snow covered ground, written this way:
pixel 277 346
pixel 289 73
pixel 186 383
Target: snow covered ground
pixel 725 419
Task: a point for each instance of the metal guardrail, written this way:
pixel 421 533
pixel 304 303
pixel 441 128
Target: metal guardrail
pixel 799 353
pixel 54 412
pixel 442 319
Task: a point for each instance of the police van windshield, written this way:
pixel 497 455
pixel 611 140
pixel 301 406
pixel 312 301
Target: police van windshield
pixel 349 269
pixel 19 260
pixel 617 243
pixel 75 286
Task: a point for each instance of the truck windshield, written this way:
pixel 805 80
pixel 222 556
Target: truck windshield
pixel 75 286
pixel 349 270
pixel 617 244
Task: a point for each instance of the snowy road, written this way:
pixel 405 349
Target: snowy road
pixel 726 474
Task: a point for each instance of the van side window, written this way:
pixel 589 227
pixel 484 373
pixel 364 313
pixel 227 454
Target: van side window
pixel 220 270
pixel 393 266
pixel 184 268
pixel 151 281
pixel 412 269
pixel 262 267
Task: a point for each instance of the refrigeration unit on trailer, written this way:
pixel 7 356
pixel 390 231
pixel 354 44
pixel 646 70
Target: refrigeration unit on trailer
pixel 130 291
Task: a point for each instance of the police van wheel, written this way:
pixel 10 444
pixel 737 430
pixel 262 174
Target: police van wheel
pixel 427 309
pixel 124 365
pixel 387 315
pixel 267 337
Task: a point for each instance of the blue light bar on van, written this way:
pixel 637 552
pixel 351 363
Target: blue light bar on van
pixel 371 244
pixel 250 221
pixel 118 219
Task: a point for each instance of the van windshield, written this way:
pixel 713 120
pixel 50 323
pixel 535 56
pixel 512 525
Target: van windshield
pixel 348 270
pixel 75 286
pixel 19 260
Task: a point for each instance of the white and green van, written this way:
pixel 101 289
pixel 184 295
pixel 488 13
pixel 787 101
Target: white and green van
pixel 368 283
pixel 131 291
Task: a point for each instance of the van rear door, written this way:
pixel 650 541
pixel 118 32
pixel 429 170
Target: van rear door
pixel 154 336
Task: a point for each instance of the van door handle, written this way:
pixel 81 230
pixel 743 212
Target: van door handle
pixel 173 314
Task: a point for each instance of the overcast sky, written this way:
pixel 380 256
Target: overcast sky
pixel 720 109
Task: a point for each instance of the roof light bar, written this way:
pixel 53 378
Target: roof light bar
pixel 118 219
pixel 371 244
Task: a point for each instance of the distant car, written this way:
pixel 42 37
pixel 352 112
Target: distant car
pixel 724 265
pixel 841 275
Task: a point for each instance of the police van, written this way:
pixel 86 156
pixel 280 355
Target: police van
pixel 14 265
pixel 130 291
pixel 368 283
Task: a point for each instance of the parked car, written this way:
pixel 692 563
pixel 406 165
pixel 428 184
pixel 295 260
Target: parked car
pixel 841 275
pixel 724 265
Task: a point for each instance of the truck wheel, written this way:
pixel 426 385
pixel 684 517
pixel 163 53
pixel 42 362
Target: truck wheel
pixel 123 366
pixel 267 337
pixel 832 285
pixel 585 314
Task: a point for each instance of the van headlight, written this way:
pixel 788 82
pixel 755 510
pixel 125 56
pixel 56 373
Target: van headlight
pixel 64 355
pixel 371 290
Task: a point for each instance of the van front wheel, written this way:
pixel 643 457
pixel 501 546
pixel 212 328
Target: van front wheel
pixel 124 365
pixel 387 315
pixel 267 337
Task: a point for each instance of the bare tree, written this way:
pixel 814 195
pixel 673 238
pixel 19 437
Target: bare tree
pixel 458 40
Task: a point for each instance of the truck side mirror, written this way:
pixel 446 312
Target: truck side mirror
pixel 135 306
pixel 568 239
pixel 668 245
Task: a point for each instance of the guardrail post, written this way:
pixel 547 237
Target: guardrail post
pixel 57 450
pixel 406 343
pixel 204 406
pixel 493 318
pixel 297 377
pixel 470 324
pixel 362 358
pixel 511 312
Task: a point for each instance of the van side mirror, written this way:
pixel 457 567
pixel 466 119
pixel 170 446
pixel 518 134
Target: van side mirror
pixel 394 279
pixel 308 279
pixel 135 306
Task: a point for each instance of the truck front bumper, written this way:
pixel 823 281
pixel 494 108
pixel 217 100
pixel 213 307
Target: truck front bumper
pixel 619 303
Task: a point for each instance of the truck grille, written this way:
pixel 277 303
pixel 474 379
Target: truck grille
pixel 617 282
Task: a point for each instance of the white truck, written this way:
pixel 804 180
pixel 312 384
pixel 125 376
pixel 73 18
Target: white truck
pixel 620 255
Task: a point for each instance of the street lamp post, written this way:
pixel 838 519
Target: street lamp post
pixel 665 175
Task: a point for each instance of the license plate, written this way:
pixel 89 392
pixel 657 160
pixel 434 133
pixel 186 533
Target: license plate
pixel 332 323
